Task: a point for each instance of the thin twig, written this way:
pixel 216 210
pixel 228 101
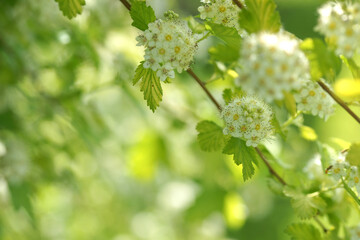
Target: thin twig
pixel 320 224
pixel 238 3
pixel 338 100
pixel 272 171
pixel 126 4
pixel 202 85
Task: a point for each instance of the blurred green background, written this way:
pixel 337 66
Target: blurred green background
pixel 82 157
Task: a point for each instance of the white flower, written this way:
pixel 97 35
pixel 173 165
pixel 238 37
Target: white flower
pixel 223 12
pixel 354 180
pixel 340 23
pixel 248 118
pixel 312 99
pixel 338 170
pixel 271 64
pixel 169 45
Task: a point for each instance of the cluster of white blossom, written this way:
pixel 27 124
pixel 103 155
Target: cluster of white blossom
pixel 248 118
pixel 169 45
pixel 271 64
pixel 312 99
pixel 343 170
pixel 340 23
pixel 221 12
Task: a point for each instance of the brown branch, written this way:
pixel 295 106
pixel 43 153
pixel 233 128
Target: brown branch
pixel 338 100
pixel 321 224
pixel 238 3
pixel 126 4
pixel 272 171
pixel 202 85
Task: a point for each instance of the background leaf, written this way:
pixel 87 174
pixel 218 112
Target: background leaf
pixel 142 15
pixel 260 15
pixel 302 231
pixel 323 62
pixel 242 155
pixel 210 136
pixel 71 8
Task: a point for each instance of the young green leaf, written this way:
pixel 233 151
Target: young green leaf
pixel 229 35
pixel 305 206
pixel 210 136
pixel 323 62
pixel 141 15
pixel 223 53
pixel 71 8
pixel 302 231
pixel 260 15
pixel 353 156
pixel 290 103
pixel 150 85
pixel 227 95
pixel 242 155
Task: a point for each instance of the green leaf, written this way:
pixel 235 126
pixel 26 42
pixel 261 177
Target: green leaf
pixel 353 156
pixel 277 127
pixel 227 95
pixel 70 8
pixel 323 62
pixel 141 15
pixel 210 136
pixel 260 15
pixel 305 206
pixel 242 155
pixel 290 103
pixel 308 133
pixel 223 53
pixel 351 64
pixel 195 26
pixel 229 35
pixel 21 197
pixel 303 231
pixel 150 85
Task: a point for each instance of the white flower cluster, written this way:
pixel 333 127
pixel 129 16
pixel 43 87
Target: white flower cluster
pixel 312 99
pixel 248 118
pixel 169 45
pixel 221 12
pixel 343 170
pixel 271 64
pixel 340 23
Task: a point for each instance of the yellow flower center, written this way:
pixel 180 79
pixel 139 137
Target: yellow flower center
pixel 168 37
pixel 349 32
pixel 269 71
pixel 257 127
pixel 312 93
pixel 161 51
pixel 243 128
pixel 236 116
pixel 232 129
pixel 356 179
pixel 222 9
pixel 336 170
pixel 177 49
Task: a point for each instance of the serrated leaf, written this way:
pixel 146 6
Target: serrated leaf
pixel 227 95
pixel 229 35
pixel 353 155
pixel 150 85
pixel 210 136
pixel 323 62
pixel 242 155
pixel 303 231
pixel 306 206
pixel 139 72
pixel 260 15
pixel 70 8
pixel 141 15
